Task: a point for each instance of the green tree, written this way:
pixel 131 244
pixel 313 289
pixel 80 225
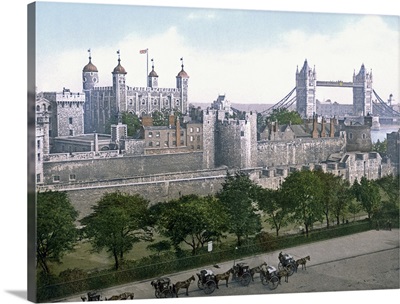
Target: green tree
pixel 118 221
pixel 284 116
pixel 193 220
pixel 354 207
pixel 273 203
pixel 303 189
pixel 238 196
pixel 380 147
pixel 131 120
pixel 56 229
pixel 343 199
pixel 367 193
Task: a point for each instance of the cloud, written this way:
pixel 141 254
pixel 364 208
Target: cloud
pixel 256 75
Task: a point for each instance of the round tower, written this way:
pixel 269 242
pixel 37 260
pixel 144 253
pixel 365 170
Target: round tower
pixel 152 78
pixel 90 75
pixel 119 87
pixel 182 82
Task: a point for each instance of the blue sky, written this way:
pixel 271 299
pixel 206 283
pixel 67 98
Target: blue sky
pixel 250 55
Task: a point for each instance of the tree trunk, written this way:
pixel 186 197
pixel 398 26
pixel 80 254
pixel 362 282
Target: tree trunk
pixel 116 259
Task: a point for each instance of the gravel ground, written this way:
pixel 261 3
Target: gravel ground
pixel 363 261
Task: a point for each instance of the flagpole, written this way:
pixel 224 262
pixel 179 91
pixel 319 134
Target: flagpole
pixel 147 55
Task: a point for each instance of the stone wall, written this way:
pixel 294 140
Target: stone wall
pixel 95 169
pixel 297 151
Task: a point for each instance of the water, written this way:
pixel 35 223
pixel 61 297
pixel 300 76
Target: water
pixel 381 133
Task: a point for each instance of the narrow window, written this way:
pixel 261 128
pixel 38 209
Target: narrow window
pixel 56 178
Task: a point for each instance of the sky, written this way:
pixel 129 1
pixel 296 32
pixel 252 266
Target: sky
pixel 250 55
pixel 274 53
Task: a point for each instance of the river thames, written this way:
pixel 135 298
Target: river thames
pixel 382 132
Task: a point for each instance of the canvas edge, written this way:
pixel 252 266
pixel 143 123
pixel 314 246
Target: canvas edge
pixel 31 161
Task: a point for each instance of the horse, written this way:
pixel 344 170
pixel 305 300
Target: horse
pixel 256 269
pixel 302 262
pixel 223 276
pixel 182 284
pixel 283 273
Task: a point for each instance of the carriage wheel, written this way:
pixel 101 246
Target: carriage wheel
pixel 264 280
pixel 209 287
pixel 157 293
pixel 166 293
pixel 273 282
pixel 290 268
pixel 199 284
pixel 245 279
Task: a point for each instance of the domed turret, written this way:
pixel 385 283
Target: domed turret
pixel 152 78
pixel 90 67
pixel 90 76
pixel 119 69
pixel 182 78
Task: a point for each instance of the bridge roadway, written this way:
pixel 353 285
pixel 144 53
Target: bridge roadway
pixel 363 261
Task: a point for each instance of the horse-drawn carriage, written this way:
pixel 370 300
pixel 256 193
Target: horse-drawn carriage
pixel 162 287
pixel 287 262
pixel 241 272
pixel 269 277
pixel 206 281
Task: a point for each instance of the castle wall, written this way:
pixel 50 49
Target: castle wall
pixel 97 169
pixel 297 151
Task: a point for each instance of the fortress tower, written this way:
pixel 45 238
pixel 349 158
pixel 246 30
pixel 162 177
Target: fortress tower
pixel 305 91
pixel 119 88
pixel 90 77
pixel 182 82
pixel 362 92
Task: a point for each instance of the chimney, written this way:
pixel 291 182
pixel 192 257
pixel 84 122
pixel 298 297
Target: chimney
pixel 314 133
pixel 332 127
pixel 147 121
pixel 323 133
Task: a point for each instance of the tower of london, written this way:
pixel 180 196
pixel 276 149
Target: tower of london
pixel 192 152
pixel 104 103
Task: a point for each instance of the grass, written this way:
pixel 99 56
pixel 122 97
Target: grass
pixel 83 257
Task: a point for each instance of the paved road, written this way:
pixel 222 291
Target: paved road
pixel 364 261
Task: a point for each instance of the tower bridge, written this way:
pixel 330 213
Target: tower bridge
pixel 365 99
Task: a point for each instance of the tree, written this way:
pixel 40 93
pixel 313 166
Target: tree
pixel 380 147
pixel 238 196
pixel 284 116
pixel 131 120
pixel 56 229
pixel 303 189
pixel 275 206
pixel 335 196
pixel 193 220
pixel 367 193
pixel 118 221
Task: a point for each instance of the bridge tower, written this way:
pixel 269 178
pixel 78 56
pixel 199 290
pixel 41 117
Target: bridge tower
pixel 305 91
pixel 362 92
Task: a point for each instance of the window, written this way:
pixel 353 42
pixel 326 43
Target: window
pixel 150 134
pixel 38 144
pixel 70 120
pixel 38 108
pixel 157 143
pixel 38 156
pixel 165 143
pixel 191 130
pixel 38 177
pixel 182 142
pixel 174 143
pixel 364 136
pixel 150 143
pixel 157 134
pixel 198 147
pixel 72 177
pixel 191 138
pixel 56 178
pixel 198 137
pixel 197 129
pixel 350 135
pixel 71 132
